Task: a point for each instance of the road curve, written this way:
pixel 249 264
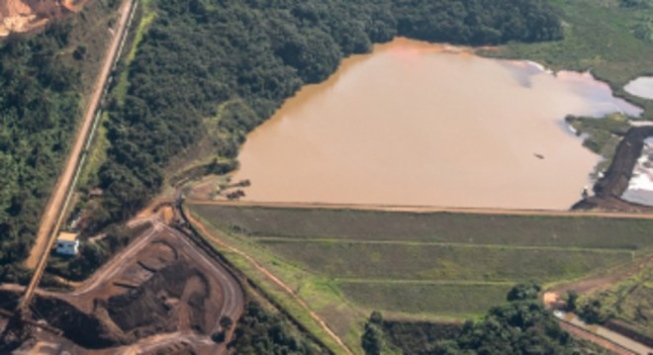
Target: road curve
pixel 234 298
pixel 233 295
pixel 277 281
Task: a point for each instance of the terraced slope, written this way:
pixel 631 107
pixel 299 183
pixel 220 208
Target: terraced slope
pixel 421 265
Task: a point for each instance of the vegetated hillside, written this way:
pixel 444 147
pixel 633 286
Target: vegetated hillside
pixel 200 55
pixel 39 104
pixel 417 265
pixel 41 79
pixel 259 331
pixel 520 326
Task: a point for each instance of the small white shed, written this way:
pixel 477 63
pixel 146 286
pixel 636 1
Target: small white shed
pixel 67 244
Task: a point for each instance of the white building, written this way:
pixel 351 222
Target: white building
pixel 67 244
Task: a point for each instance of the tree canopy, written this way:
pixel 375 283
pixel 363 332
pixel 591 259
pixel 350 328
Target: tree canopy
pixel 521 326
pixel 39 107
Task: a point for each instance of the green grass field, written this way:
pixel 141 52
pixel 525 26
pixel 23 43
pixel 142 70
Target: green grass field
pixel 401 260
pixel 446 299
pixel 346 263
pixel 472 229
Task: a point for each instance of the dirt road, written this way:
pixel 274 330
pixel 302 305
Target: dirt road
pixel 604 334
pixel 102 285
pixel 428 209
pixel 277 281
pixel 605 344
pixel 55 205
pixel 54 213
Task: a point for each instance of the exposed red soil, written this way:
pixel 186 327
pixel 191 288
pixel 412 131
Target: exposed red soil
pixel 162 292
pixel 17 16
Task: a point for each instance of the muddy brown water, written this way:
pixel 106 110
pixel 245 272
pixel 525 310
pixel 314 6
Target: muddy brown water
pixel 420 124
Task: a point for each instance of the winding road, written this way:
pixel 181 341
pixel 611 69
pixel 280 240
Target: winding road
pixel 269 275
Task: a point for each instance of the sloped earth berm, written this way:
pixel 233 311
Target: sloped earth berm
pixel 608 189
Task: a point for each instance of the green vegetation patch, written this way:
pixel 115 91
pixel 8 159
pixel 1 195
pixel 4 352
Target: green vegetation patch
pixel 461 228
pixel 43 79
pixel 260 331
pixel 522 325
pixel 386 260
pixel 417 261
pixel 630 301
pixel 602 136
pixel 446 299
pixel 145 18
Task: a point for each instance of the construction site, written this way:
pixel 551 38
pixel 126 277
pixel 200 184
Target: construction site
pixel 165 292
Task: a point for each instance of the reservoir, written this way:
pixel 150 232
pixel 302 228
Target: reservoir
pixel 429 125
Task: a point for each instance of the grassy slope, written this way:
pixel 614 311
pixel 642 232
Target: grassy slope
pixel 427 266
pixel 418 261
pixel 321 294
pixel 581 232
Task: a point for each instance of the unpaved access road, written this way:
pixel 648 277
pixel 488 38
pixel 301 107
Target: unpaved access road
pixel 627 344
pixel 426 209
pixel 54 209
pixel 225 295
pixel 275 280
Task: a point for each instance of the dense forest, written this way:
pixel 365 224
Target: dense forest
pixel 43 76
pixel 39 108
pixel 199 55
pixel 260 332
pixel 522 326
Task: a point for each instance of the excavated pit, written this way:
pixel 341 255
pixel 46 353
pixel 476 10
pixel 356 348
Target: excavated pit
pixel 163 288
pixel 157 306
